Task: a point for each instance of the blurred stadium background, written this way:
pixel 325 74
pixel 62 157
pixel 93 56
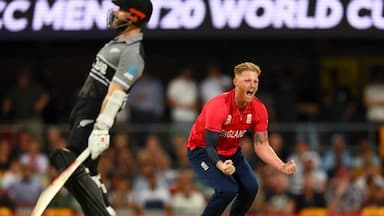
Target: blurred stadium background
pixel 322 80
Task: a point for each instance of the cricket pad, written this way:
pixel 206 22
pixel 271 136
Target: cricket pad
pixel 80 184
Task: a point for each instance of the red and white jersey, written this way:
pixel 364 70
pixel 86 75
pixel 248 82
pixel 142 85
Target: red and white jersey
pixel 220 114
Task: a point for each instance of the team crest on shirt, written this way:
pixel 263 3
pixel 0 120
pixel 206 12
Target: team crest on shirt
pixel 228 121
pixel 131 72
pixel 249 119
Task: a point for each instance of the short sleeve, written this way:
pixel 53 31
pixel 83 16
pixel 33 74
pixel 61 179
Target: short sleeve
pixel 215 115
pixel 261 117
pixel 129 69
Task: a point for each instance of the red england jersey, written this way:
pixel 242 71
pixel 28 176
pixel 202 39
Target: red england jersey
pixel 220 114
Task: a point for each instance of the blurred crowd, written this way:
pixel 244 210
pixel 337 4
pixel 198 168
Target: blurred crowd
pixel 290 97
pixel 153 174
pixel 147 169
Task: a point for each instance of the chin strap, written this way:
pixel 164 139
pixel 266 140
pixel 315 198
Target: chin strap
pixel 111 19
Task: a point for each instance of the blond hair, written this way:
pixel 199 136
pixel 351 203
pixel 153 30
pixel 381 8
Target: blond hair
pixel 246 66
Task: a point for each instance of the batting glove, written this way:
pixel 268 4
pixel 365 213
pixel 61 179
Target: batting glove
pixel 98 141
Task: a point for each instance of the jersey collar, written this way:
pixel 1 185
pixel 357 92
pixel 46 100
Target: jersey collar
pixel 134 39
pixel 129 40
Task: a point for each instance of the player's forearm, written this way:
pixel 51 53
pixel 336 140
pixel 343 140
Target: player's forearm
pixel 112 103
pixel 211 141
pixel 265 151
pixel 112 87
pixel 268 155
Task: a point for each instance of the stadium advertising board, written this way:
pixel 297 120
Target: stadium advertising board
pixel 199 19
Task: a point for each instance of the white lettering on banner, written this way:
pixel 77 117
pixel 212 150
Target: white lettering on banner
pixel 74 11
pixel 262 21
pixel 286 9
pixel 303 20
pixel 378 13
pixel 373 14
pixel 329 13
pixel 46 16
pixel 355 19
pixel 70 15
pixel 2 8
pixel 170 20
pixel 188 14
pixel 279 13
pixel 12 22
pixel 98 13
pixel 193 14
pixel 84 15
pixel 226 12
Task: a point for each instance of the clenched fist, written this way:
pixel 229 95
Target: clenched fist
pixel 288 168
pixel 226 167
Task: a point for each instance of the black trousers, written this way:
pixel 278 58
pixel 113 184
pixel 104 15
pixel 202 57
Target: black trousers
pixel 82 119
pixel 242 186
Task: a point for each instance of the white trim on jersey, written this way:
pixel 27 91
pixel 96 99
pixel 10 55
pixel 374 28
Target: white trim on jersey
pixel 100 75
pixel 121 82
pixel 93 75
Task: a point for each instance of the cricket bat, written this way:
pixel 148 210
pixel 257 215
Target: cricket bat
pixel 50 192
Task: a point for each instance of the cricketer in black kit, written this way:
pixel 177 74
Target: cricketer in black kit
pixel 116 68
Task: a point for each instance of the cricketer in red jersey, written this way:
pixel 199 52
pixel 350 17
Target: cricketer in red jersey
pixel 213 146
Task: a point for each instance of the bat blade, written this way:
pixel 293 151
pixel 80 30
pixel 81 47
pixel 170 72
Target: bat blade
pixel 50 192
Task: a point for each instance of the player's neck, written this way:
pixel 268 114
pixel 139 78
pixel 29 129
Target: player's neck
pixel 240 104
pixel 129 32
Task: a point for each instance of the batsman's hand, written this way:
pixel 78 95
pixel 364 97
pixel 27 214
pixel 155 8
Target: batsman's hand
pixel 227 167
pixel 289 168
pixel 98 141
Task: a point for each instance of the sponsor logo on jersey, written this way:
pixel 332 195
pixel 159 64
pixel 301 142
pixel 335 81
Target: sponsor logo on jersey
pixel 131 72
pixel 233 133
pixel 100 66
pixel 228 121
pixel 249 119
pixel 204 166
pixel 85 122
pixel 114 50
